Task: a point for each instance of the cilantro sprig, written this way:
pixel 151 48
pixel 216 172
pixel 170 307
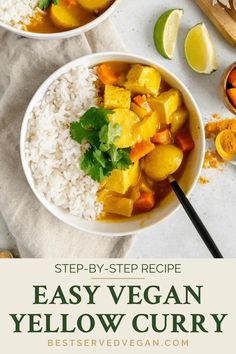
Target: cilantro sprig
pixel 103 156
pixel 44 4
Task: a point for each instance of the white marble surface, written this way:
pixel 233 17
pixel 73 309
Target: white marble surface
pixel 216 201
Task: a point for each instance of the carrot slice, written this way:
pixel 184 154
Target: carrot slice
pixel 232 78
pixel 145 202
pixel 141 100
pixel 232 95
pixel 140 150
pixel 70 3
pixel 107 75
pixel 162 137
pixel 184 141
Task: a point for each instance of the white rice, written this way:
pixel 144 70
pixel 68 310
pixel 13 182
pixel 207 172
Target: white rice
pixel 52 155
pixel 17 12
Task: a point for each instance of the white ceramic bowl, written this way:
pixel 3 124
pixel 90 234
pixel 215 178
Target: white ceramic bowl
pixel 65 34
pixel 170 203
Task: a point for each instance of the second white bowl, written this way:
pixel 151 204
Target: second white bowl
pixel 65 34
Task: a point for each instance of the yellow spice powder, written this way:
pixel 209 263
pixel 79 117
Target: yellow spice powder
pixel 214 128
pixel 212 159
pixel 203 180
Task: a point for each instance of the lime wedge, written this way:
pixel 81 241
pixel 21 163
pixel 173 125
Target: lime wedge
pixel 199 50
pixel 166 31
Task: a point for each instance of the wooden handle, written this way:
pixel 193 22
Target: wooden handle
pixel 223 19
pixel 5 254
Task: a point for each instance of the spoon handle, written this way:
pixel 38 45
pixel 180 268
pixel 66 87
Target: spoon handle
pixel 200 227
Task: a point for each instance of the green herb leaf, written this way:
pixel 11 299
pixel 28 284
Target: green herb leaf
pixel 100 157
pixel 44 4
pixel 114 132
pixel 109 133
pixel 87 161
pixel 92 167
pixel 103 156
pixel 114 154
pixel 79 134
pixel 124 161
pixel 95 118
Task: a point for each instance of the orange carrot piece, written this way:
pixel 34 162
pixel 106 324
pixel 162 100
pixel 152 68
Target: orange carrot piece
pixel 141 100
pixel 162 137
pixel 184 141
pixel 70 3
pixel 232 78
pixel 232 96
pixel 145 202
pixel 107 75
pixel 140 150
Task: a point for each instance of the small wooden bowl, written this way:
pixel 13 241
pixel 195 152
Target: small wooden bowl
pixel 225 76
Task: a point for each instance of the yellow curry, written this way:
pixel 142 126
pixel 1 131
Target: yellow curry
pixel 154 127
pixel 64 15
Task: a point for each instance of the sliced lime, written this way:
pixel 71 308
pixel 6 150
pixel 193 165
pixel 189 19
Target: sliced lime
pixel 166 31
pixel 199 50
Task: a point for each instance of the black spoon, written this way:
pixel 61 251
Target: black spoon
pixel 200 227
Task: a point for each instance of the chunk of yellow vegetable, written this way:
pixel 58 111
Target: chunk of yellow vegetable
pixel 93 5
pixel 145 129
pixel 119 181
pixel 116 97
pixel 178 119
pixel 143 79
pixel 166 104
pixel 119 206
pixel 104 193
pixel 162 162
pixel 133 193
pixel 63 17
pixel 141 112
pixel 144 187
pixel 127 121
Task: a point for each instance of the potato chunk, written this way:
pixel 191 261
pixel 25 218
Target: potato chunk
pixel 93 5
pixel 119 181
pixel 127 121
pixel 63 17
pixel 143 79
pixel 116 97
pixel 166 104
pixel 162 162
pixel 178 119
pixel 119 206
pixel 141 112
pixel 145 129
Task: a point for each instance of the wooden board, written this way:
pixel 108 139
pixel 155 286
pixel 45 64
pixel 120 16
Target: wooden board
pixel 223 19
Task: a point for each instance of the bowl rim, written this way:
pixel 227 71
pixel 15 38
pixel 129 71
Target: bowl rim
pixel 44 86
pixel 65 34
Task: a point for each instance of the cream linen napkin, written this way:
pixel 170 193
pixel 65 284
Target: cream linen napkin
pixel 24 65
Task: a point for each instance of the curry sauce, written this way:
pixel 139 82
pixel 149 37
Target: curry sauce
pixel 159 115
pixel 67 15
